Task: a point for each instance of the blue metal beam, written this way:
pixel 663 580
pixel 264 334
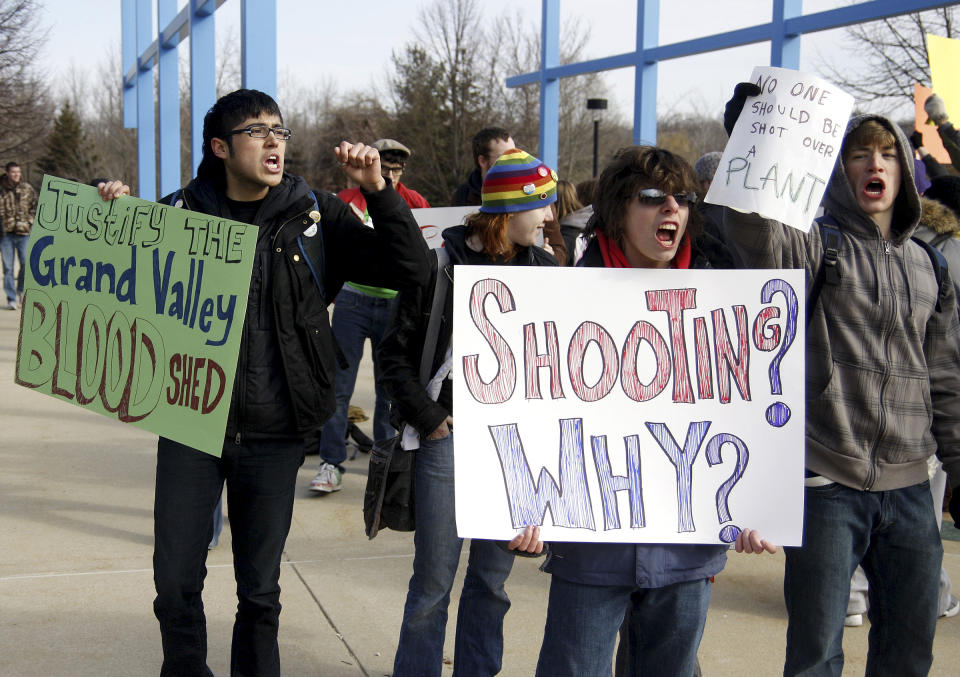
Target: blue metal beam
pixel 549 87
pixel 785 46
pixel 128 42
pixel 203 73
pixel 783 32
pixel 645 83
pixel 258 29
pixel 168 103
pixel 146 128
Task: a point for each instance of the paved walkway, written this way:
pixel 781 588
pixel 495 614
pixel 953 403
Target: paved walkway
pixel 76 496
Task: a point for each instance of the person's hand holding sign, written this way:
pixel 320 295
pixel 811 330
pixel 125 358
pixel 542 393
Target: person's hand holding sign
pixel 734 106
pixel 361 163
pixel 528 542
pixel 111 190
pixel 749 541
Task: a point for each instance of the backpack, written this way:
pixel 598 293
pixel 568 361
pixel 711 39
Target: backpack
pixel 389 498
pixel 831 273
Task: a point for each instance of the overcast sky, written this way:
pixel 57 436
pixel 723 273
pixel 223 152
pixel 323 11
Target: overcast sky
pixel 324 40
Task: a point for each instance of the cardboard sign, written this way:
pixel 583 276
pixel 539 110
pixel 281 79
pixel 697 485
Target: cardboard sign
pixel 931 138
pixel 435 220
pixel 944 56
pixel 783 148
pixel 134 310
pixel 654 406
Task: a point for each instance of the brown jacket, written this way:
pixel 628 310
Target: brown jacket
pixel 18 205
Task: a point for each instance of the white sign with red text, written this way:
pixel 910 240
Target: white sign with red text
pixel 660 406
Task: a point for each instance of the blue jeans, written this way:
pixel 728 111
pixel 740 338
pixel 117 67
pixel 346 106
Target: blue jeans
pixel 665 628
pixel 356 318
pixel 893 535
pixel 10 244
pixel 478 647
pixel 261 481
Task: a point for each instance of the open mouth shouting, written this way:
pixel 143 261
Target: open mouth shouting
pixel 667 234
pixel 875 188
pixel 273 163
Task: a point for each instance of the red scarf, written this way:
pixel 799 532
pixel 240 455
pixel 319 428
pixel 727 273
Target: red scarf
pixel 613 256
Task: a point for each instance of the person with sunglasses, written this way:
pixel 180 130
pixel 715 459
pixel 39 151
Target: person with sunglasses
pixel 644 217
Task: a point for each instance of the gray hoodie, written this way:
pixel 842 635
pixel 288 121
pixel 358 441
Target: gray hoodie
pixel 882 365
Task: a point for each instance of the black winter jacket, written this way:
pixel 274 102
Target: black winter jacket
pixel 402 345
pixel 285 371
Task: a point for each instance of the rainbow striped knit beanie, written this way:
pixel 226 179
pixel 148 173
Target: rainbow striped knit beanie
pixel 517 182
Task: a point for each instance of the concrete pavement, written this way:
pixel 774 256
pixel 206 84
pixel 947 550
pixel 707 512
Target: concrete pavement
pixel 76 496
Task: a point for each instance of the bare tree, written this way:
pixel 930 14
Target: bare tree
pixel 116 147
pixel 575 148
pixel 893 52
pixel 24 104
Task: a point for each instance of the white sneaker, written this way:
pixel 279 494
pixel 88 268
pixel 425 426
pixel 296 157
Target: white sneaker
pixel 953 609
pixel 853 620
pixel 329 478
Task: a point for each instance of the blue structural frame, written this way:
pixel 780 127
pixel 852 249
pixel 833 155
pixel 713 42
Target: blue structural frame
pixel 783 32
pixel 144 47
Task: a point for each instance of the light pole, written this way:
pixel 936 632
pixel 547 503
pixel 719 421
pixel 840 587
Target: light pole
pixel 597 106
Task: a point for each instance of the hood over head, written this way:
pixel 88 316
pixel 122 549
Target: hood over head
pixel 841 201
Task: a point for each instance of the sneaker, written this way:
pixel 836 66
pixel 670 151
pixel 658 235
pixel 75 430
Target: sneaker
pixel 12 305
pixel 329 478
pixel 853 620
pixel 953 609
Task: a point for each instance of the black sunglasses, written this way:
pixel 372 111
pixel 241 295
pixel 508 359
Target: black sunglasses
pixel 654 197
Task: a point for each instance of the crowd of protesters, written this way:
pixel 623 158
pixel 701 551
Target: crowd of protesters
pixel 882 392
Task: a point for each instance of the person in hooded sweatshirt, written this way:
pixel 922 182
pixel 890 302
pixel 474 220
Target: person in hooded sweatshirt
pixel 517 195
pixel 882 396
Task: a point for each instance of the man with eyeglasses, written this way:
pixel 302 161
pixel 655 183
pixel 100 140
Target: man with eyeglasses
pixel 361 312
pixel 307 245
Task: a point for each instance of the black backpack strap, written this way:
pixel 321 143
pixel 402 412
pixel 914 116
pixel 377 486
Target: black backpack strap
pixel 830 271
pixel 440 291
pixel 175 196
pixel 939 263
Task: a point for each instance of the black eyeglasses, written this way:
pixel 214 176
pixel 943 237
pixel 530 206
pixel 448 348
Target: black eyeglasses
pixel 654 197
pixel 262 132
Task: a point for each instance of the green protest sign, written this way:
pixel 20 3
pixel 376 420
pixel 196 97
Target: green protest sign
pixel 134 310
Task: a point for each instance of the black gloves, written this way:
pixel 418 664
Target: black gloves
pixel 916 139
pixel 954 507
pixel 735 104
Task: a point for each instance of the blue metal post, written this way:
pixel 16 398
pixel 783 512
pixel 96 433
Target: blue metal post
pixel 128 42
pixel 645 88
pixel 784 47
pixel 203 72
pixel 146 128
pixel 549 86
pixel 168 94
pixel 783 31
pixel 258 30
